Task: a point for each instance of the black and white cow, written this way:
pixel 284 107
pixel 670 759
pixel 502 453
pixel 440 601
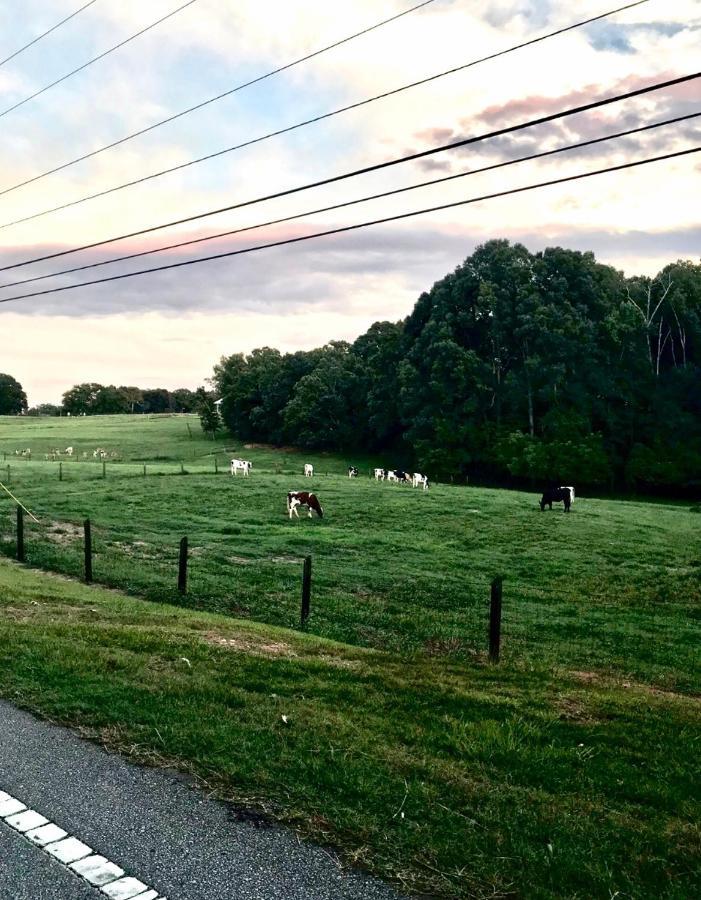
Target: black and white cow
pixel 352 471
pixel 556 495
pixel 303 498
pixel 380 474
pixel 241 465
pixel 420 480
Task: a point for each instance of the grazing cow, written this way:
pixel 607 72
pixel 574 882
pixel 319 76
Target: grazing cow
pixel 68 451
pixel 554 495
pixel 379 474
pixel 568 487
pixel 303 498
pixel 391 475
pixel 352 471
pixel 308 470
pixel 420 479
pixel 242 465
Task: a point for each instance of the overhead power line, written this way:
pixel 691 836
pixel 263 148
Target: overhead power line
pixel 239 87
pixel 347 228
pixel 312 212
pixel 44 34
pixel 422 154
pixel 95 59
pixel 297 125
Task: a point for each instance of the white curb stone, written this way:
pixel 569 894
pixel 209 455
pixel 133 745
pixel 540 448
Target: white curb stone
pixel 26 821
pixel 68 850
pixel 10 806
pixel 47 834
pixel 124 889
pixel 97 870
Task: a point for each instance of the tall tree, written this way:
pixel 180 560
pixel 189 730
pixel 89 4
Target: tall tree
pixel 13 400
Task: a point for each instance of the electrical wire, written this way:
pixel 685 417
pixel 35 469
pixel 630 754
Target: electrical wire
pixel 95 59
pixel 347 228
pixel 347 203
pixel 510 129
pixel 204 103
pixel 45 33
pixel 306 122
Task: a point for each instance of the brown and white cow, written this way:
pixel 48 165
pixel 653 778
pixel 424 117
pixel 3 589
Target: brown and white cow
pixel 303 498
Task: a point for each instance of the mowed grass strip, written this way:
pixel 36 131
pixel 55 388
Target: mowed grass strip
pixel 452 778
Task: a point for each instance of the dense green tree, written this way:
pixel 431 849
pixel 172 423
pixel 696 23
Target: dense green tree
pixel 546 366
pixel 156 400
pixel 13 400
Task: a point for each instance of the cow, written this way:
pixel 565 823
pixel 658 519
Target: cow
pixel 419 479
pixel 556 494
pixel 242 465
pixel 379 474
pixel 68 451
pixel 308 470
pixel 303 498
pixel 352 471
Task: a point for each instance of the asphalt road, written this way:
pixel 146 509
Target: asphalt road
pixel 152 824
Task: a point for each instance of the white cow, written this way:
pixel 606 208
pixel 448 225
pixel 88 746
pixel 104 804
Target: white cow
pixel 419 479
pixel 392 475
pixel 68 451
pixel 379 474
pixel 308 470
pixel 242 465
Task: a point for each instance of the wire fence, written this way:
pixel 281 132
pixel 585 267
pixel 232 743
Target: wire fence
pixel 359 592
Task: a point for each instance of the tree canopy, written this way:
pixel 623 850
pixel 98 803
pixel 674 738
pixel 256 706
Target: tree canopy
pixel 545 366
pixel 13 400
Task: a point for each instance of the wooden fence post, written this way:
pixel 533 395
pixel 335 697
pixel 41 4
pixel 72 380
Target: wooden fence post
pixel 104 469
pixel 144 470
pixel 182 566
pixel 306 589
pixel 88 551
pixel 60 471
pixel 182 468
pixel 216 466
pixel 495 620
pixel 20 534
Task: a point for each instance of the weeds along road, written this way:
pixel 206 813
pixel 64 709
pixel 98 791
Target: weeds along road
pixel 168 836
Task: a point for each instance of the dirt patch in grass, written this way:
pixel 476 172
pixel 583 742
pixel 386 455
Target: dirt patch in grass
pixel 250 645
pixel 654 690
pixel 63 532
pixel 573 709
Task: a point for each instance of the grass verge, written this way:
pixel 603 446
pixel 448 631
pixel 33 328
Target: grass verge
pixel 449 777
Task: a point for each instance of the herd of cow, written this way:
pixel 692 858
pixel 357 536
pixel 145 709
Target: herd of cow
pixel 309 500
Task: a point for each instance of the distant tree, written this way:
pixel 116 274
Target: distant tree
pixel 110 401
pixel 44 409
pixel 184 400
pixel 81 398
pixel 133 398
pixel 13 400
pixel 210 419
pixel 157 400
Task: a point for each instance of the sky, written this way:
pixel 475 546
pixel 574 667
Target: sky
pixel 168 329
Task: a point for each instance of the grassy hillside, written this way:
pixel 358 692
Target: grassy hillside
pixel 452 777
pixel 613 586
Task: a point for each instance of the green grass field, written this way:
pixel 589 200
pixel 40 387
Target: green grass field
pixel 566 771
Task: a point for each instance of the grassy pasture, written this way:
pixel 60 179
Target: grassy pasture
pixel 569 770
pixel 613 586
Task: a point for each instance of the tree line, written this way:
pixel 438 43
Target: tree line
pixel 93 399
pixel 546 367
